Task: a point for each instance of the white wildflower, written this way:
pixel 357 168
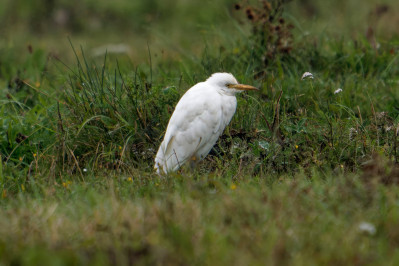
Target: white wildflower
pixel 84 170
pixel 352 133
pixel 338 91
pixel 381 115
pixel 307 75
pixel 366 227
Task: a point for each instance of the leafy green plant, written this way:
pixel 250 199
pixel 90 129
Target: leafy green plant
pixel 270 33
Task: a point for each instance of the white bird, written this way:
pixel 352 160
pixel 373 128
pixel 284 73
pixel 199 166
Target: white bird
pixel 200 117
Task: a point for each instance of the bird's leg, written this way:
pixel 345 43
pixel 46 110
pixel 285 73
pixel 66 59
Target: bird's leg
pixel 193 162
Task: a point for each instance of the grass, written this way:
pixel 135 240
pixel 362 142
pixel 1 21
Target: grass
pixel 202 220
pixel 302 175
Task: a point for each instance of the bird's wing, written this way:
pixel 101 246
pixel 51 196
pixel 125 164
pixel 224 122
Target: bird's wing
pixel 196 121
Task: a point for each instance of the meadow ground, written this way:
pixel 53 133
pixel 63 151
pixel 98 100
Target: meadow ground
pixel 305 174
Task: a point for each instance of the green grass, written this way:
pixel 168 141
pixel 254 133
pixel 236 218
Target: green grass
pixel 202 220
pixel 292 180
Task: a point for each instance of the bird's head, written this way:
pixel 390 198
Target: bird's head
pixel 226 83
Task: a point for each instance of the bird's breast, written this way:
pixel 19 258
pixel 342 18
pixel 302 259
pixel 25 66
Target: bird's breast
pixel 229 108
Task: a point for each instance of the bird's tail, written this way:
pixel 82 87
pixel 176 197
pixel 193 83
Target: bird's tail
pixel 166 161
pixel 159 161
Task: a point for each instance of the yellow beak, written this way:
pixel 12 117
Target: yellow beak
pixel 243 87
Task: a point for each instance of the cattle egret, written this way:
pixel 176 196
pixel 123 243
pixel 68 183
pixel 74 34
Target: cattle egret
pixel 199 119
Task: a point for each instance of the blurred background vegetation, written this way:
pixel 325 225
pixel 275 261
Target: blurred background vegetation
pixel 174 25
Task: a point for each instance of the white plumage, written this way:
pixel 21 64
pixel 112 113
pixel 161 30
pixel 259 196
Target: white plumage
pixel 199 119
